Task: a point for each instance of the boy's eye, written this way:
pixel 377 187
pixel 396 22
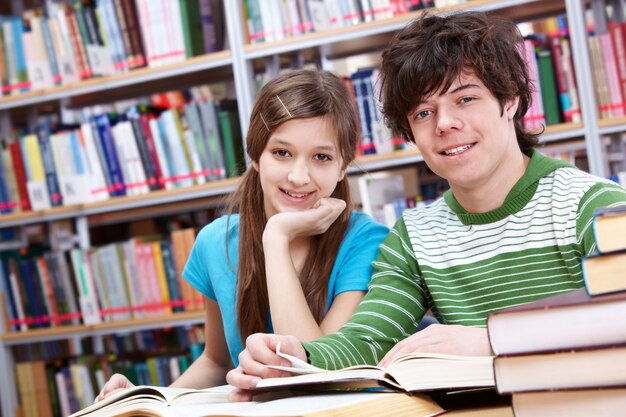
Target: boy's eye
pixel 467 99
pixel 423 113
pixel 323 157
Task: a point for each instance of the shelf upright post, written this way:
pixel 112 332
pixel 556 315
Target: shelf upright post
pixel 584 80
pixel 8 399
pixel 5 124
pixel 242 68
pixel 325 62
pixel 272 66
pixel 82 232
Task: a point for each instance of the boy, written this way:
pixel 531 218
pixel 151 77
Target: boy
pixel 512 228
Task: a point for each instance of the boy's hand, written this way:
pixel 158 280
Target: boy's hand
pixel 443 338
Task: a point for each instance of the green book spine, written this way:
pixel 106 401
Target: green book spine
pixel 549 94
pixel 184 16
pixel 192 27
pixel 231 142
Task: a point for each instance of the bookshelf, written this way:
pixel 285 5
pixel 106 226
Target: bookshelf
pixel 240 63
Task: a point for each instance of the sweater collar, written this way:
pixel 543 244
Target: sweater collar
pixel 521 193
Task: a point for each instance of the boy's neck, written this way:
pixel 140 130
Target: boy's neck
pixel 491 195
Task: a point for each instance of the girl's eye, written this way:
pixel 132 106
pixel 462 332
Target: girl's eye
pixel 281 152
pixel 323 157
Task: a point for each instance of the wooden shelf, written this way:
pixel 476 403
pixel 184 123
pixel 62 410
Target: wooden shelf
pixel 348 40
pixel 215 188
pixel 162 198
pixel 81 330
pixel 109 84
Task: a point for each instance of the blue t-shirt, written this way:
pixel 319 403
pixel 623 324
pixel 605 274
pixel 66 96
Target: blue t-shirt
pixel 209 271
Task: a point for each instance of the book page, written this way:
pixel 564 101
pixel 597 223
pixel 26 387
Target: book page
pixel 428 371
pixel 370 404
pixel 153 394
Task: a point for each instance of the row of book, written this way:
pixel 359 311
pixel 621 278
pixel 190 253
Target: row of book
pixel 268 21
pixel 607 52
pixel 134 279
pixel 139 150
pixel 566 354
pixel 60 387
pixel 550 66
pixel 74 40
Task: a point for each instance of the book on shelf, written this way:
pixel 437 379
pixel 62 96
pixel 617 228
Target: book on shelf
pixel 605 402
pixel 535 116
pixel 379 189
pixel 570 320
pixel 561 370
pixel 408 373
pixel 546 72
pixel 165 402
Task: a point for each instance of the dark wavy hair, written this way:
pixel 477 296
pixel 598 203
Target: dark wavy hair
pixel 433 50
pixel 297 94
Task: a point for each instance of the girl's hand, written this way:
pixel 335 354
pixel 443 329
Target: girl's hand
pixel 311 222
pixel 260 351
pixel 116 383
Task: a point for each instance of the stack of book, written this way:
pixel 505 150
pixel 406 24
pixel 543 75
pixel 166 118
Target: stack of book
pixel 566 355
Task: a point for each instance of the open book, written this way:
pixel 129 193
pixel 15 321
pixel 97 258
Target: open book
pixel 144 396
pixel 413 372
pixel 169 402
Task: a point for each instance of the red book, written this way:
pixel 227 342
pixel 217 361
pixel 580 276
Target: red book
pixel 84 70
pixel 20 175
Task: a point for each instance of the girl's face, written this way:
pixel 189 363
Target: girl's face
pixel 300 164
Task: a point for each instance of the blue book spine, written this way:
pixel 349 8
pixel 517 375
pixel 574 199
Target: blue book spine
pixel 33 303
pixel 363 109
pixel 5 288
pixel 170 273
pixel 108 147
pixel 5 203
pixel 52 56
pixel 17 24
pixel 103 163
pixel 43 135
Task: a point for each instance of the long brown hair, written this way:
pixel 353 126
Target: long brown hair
pixel 297 94
pixel 433 50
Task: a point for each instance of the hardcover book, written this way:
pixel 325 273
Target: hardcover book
pixel 609 228
pixel 609 402
pixel 605 273
pixel 577 369
pixel 557 323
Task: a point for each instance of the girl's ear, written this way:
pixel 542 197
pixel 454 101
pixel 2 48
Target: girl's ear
pixel 255 165
pixel 342 174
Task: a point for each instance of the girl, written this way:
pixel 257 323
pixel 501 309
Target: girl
pixel 290 257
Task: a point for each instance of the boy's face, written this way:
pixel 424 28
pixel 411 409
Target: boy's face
pixel 464 136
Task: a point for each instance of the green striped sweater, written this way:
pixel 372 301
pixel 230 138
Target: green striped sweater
pixel 464 266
